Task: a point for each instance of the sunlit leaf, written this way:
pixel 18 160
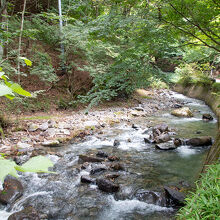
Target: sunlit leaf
pixel 27 61
pixel 36 164
pixel 18 89
pixel 5 90
pixel 7 168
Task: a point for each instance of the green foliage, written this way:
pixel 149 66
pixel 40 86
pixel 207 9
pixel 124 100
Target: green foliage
pixel 194 74
pixel 216 87
pixel 43 67
pixel 35 164
pixel 204 202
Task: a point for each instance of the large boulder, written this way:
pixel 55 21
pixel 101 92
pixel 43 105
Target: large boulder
pixel 174 197
pixel 182 112
pixel 28 213
pixel 107 185
pixel 12 190
pixel 199 141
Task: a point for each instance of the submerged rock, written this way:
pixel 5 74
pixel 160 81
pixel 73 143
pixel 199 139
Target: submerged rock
pixel 28 213
pixel 107 185
pixel 12 190
pixel 151 197
pixel 85 158
pixel 116 143
pixel 182 112
pixel 117 166
pixel 101 154
pixel 207 117
pixel 175 198
pixel 199 141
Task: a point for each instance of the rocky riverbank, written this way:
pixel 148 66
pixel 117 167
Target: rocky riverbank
pixel 38 135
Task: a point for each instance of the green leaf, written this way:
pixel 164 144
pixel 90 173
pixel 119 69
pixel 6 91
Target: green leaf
pixel 27 61
pixel 5 90
pixel 7 168
pixel 36 164
pixel 18 89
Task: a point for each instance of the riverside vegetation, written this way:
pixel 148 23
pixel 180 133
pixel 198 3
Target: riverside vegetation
pixel 104 52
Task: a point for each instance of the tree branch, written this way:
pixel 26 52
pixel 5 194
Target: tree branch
pixel 195 25
pixel 193 35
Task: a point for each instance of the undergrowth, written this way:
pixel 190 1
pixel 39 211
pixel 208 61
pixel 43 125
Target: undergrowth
pixel 203 204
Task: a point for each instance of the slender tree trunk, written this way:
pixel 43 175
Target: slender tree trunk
pixel 20 41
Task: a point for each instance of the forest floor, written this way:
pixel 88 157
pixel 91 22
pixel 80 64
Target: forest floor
pixel 38 132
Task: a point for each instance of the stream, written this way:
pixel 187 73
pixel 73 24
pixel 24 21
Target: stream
pixel 62 195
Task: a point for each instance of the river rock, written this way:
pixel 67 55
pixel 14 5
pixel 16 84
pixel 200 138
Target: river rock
pixel 33 127
pixel 174 197
pixel 87 179
pixel 85 158
pixel 162 138
pixel 165 146
pixel 12 190
pixel 112 176
pixel 51 124
pixel 151 197
pixel 107 185
pixel 51 143
pixel 101 154
pixel 199 141
pixel 182 112
pixel 134 126
pixel 177 142
pixel 44 126
pixel 117 166
pixel 116 143
pixel 176 105
pixel 207 117
pixel 28 213
pixel 97 169
pixel 22 145
pixel 113 158
pixel 161 127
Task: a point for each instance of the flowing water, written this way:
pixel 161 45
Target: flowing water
pixel 62 196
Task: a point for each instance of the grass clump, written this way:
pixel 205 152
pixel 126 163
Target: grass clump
pixel 204 202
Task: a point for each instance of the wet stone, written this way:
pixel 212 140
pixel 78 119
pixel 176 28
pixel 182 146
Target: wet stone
pixel 107 185
pixel 174 197
pixel 85 158
pixel 87 179
pixel 113 158
pixel 117 166
pixel 102 154
pixel 207 117
pixel 165 146
pixel 151 197
pixel 116 143
pixel 28 213
pixel 97 169
pixel 12 190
